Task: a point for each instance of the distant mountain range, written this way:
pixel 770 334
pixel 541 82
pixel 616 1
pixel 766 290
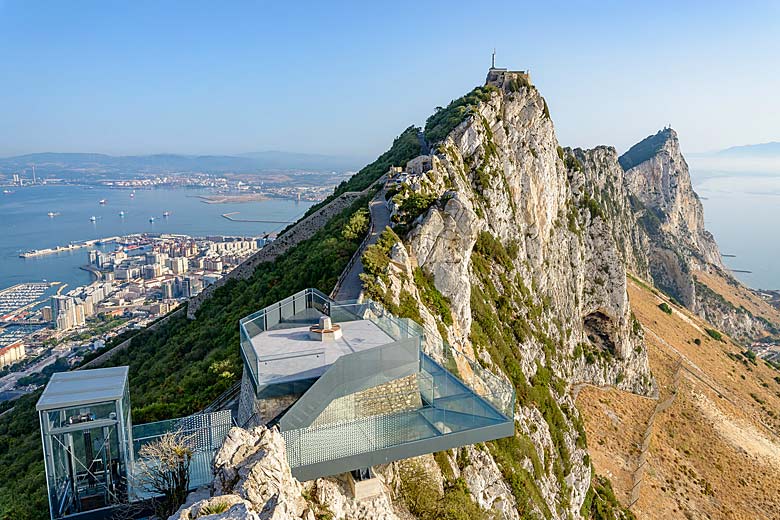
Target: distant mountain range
pixel 771 149
pixel 173 163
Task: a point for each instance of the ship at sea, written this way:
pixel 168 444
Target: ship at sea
pixel 52 214
pixel 132 194
pixel 93 218
pixel 122 214
pixel 166 214
pixel 151 219
pixel 103 202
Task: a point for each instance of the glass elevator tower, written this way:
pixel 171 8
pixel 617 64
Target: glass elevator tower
pixel 87 439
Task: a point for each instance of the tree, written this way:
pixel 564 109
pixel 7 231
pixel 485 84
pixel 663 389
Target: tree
pixel 164 468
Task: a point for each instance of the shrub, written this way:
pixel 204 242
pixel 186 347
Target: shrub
pixel 444 121
pixel 431 297
pixel 421 496
pixel 357 225
pixel 665 307
pixel 601 503
pixel 714 334
pixel 213 509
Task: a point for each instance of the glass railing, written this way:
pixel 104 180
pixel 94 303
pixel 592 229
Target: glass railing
pixel 447 407
pixel 202 433
pixel 305 307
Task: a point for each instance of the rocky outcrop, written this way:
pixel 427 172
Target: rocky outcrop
pixel 528 244
pixel 672 217
pixel 671 213
pixel 252 480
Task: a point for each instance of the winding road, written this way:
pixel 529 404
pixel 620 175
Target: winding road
pixel 380 218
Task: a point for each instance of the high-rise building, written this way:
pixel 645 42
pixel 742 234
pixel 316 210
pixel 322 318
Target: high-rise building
pixel 167 289
pixel 178 265
pixel 151 271
pixel 213 264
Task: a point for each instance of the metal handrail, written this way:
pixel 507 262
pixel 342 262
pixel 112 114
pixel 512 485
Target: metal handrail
pixel 357 254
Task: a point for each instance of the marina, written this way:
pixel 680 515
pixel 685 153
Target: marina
pixel 21 296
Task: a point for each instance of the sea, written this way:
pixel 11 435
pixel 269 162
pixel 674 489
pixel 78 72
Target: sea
pixel 25 224
pixel 742 210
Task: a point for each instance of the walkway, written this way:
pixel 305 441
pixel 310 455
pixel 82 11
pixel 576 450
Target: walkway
pixel 350 285
pixel 452 415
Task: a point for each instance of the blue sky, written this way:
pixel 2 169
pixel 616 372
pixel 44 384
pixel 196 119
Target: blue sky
pixel 345 78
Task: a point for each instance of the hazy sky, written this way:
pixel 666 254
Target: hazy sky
pixel 345 78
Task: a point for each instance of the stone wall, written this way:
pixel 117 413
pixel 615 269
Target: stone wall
pixel 253 411
pixel 393 397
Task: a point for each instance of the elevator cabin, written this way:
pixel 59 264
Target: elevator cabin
pixel 87 439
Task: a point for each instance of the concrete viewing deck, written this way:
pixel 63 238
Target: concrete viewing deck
pixel 288 354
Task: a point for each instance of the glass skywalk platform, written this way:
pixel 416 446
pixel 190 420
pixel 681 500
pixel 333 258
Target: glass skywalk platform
pixel 383 394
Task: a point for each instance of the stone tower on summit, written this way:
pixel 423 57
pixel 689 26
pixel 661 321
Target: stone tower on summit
pixel 498 77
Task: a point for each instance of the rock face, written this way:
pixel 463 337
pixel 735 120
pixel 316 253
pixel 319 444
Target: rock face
pixel 528 244
pixel 252 480
pixel 671 212
pixel 671 216
pixel 515 251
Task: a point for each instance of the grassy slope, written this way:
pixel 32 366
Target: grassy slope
pixel 713 453
pixel 182 366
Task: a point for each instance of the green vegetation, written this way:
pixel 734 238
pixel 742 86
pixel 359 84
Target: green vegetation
pixel 444 120
pixel 601 504
pixel 665 307
pixel 214 508
pixel 505 318
pixel 421 495
pixel 572 163
pixel 643 150
pixel 412 206
pixel 22 483
pixel 375 260
pixel 714 334
pixel 42 377
pixel 431 297
pixel 357 226
pixel 405 148
pixel 750 355
pixel 181 366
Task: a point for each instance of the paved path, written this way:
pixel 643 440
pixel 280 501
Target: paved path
pixel 380 218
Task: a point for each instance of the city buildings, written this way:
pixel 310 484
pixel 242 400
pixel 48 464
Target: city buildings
pixel 11 354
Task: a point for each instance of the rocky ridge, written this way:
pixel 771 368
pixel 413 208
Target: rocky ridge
pixel 527 243
pixel 672 218
pixel 515 251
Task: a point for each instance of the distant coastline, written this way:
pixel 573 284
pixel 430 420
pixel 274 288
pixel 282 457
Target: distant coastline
pixel 230 199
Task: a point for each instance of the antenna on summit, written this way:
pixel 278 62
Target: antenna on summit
pixel 493 60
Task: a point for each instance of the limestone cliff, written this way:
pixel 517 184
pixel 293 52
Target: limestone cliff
pixel 515 250
pixel 671 215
